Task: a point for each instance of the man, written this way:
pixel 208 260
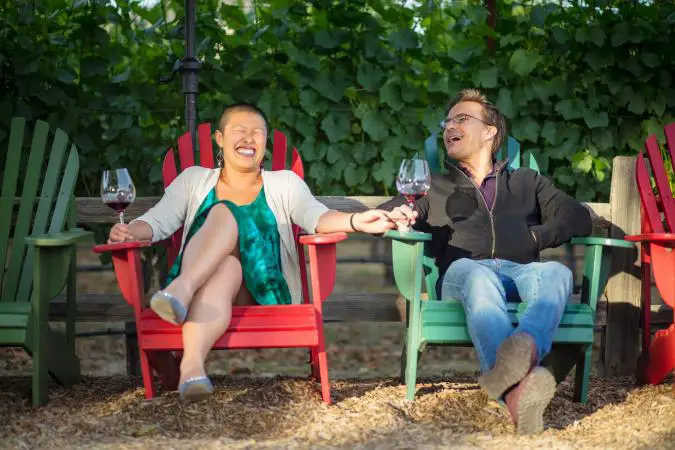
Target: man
pixel 489 224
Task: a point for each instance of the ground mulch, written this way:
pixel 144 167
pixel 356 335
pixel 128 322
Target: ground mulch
pixel 286 412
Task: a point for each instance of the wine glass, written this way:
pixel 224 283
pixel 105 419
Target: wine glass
pixel 117 190
pixel 413 180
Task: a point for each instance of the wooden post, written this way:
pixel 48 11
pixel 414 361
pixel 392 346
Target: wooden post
pixel 624 286
pixel 491 6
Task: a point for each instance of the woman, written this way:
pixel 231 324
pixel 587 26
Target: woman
pixel 238 245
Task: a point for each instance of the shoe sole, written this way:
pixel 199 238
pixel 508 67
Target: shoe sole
pixel 196 393
pixel 512 365
pixel 534 399
pixel 163 307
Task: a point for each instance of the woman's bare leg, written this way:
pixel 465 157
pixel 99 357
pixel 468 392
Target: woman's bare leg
pixel 209 315
pixel 215 240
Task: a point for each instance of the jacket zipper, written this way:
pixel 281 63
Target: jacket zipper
pixel 489 210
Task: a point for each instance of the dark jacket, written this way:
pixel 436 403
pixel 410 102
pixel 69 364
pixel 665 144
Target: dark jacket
pixel 456 215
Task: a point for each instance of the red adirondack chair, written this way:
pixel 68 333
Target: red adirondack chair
pixel 657 256
pixel 279 326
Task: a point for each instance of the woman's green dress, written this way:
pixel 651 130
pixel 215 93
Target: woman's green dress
pixel 258 247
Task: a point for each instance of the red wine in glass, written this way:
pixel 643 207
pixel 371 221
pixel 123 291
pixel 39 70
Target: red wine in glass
pixel 117 190
pixel 413 180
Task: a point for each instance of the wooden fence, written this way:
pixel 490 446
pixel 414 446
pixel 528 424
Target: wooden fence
pixel 618 312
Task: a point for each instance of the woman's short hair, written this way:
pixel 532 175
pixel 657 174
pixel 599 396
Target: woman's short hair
pixel 235 107
pixel 490 113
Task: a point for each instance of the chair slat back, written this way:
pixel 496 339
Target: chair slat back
pixel 206 159
pixel 661 180
pixel 9 189
pixel 652 206
pixel 51 214
pixel 511 147
pixel 650 209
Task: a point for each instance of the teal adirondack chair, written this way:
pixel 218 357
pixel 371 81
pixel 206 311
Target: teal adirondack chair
pixel 442 322
pixel 37 252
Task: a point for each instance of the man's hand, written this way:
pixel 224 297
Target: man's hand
pixel 403 216
pixel 120 233
pixel 374 221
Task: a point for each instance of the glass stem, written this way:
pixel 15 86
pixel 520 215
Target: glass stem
pixel 121 216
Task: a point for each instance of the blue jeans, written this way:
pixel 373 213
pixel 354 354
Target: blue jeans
pixel 484 287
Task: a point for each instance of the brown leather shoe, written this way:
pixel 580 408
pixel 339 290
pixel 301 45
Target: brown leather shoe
pixel 528 400
pixel 515 357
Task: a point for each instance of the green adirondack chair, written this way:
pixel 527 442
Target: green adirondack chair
pixel 37 252
pixel 442 322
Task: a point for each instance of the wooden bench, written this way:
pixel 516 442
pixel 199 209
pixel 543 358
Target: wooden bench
pixel 618 310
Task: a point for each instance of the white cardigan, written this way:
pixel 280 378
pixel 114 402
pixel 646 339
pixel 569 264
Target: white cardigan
pixel 287 195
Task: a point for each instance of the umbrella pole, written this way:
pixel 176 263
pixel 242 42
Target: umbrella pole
pixel 189 70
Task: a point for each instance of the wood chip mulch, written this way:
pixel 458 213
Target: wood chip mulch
pixel 284 412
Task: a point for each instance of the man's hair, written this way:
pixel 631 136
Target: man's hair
pixel 490 113
pixel 235 107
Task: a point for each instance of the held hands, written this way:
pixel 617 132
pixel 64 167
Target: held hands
pixel 403 216
pixel 120 233
pixel 376 221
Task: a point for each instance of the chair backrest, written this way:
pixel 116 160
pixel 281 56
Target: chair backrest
pixel 435 160
pixel 206 158
pixel 652 206
pixel 511 148
pixel 44 183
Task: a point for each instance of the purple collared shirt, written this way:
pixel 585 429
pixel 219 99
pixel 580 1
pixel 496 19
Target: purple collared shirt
pixel 488 188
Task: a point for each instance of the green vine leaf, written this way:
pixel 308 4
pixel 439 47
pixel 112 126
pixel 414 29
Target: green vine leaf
pixel 336 127
pixel 403 39
pixel 582 161
pixel 523 62
pixel 592 34
pixel 327 38
pixel 369 76
pixel 595 119
pixel 620 34
pixel 487 77
pixel 391 95
pixel 570 109
pixel 332 85
pixel 373 124
pixel 505 103
pixel 355 175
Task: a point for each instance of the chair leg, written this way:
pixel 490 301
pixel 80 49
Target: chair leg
pixel 582 375
pixel 147 375
pixel 411 365
pixel 40 371
pixel 323 374
pixel 661 356
pixel 404 357
pixel 315 370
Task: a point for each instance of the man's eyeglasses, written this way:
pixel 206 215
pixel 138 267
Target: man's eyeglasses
pixel 460 118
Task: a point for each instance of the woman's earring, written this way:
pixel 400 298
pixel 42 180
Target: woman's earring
pixel 219 157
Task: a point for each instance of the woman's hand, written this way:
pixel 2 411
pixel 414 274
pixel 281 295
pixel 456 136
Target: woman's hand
pixel 120 233
pixel 374 221
pixel 403 216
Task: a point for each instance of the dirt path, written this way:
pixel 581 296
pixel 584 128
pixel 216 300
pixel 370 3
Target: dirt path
pixel 282 412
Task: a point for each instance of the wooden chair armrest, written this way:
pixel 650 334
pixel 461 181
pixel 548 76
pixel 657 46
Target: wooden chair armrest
pixel 411 236
pixel 606 242
pixel 322 238
pixel 664 238
pixel 104 248
pixel 61 239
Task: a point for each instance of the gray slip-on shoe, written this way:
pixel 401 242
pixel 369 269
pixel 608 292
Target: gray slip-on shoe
pixel 514 361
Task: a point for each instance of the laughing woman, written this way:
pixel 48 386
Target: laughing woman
pixel 238 246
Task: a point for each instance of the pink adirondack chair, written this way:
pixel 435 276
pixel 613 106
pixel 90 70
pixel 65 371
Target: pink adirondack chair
pixel 657 256
pixel 278 326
